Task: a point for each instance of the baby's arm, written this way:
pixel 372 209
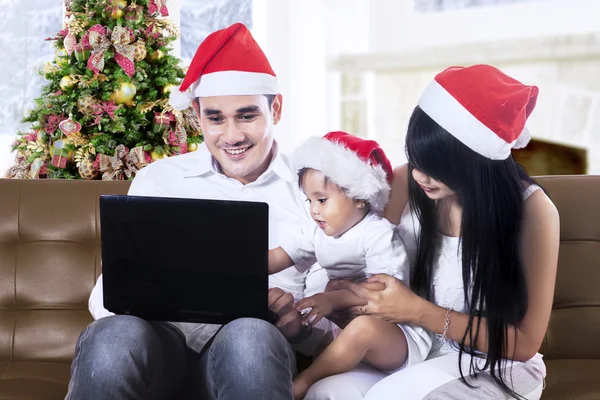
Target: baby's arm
pixel 324 304
pixel 279 260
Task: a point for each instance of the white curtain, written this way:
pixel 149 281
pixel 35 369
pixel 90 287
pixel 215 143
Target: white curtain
pixel 23 51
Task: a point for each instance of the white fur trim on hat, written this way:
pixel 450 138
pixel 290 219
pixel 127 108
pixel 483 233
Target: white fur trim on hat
pixel 235 83
pixel 180 100
pixel 344 168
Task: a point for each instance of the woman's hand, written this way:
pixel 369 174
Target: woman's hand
pixel 396 303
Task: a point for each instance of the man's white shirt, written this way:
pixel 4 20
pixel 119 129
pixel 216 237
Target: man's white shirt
pixel 197 175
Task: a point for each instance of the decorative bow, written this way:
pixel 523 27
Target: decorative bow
pixel 119 39
pixel 155 6
pixel 124 162
pixel 52 123
pixel 100 109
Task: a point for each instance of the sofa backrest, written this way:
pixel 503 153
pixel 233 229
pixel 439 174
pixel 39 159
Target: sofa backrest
pixel 574 328
pixel 49 262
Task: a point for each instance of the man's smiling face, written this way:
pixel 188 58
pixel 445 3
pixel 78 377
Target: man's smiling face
pixel 238 131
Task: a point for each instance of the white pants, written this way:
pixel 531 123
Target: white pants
pixel 438 378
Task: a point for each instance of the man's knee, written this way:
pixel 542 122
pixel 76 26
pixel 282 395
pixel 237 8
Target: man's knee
pixel 249 336
pixel 108 341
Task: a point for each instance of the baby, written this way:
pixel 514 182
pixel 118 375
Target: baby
pixel 346 180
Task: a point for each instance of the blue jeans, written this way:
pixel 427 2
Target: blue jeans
pixel 123 357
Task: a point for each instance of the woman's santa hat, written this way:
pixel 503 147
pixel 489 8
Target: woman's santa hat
pixel 357 165
pixel 482 107
pixel 228 62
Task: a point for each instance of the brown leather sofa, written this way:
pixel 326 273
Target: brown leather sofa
pixel 50 259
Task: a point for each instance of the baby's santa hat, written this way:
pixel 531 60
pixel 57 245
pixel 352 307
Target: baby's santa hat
pixel 482 107
pixel 359 166
pixel 228 62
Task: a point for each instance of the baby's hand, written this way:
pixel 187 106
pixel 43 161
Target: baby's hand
pixel 320 306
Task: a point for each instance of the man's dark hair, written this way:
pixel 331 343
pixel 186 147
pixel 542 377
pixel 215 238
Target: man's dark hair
pixel 270 99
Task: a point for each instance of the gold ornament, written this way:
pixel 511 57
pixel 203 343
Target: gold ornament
pixel 156 55
pixel 67 82
pixel 85 103
pixel 157 156
pixel 125 94
pixel 192 147
pixel 117 13
pixel 140 50
pixel 61 57
pixel 167 89
pixel 86 169
pixel 120 4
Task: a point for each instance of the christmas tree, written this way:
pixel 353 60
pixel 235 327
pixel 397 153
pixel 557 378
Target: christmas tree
pixel 104 112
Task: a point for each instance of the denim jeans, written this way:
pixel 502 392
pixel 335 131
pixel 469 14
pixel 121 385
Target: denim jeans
pixel 124 357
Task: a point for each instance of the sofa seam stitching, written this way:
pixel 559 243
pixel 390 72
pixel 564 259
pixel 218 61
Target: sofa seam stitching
pixel 4 371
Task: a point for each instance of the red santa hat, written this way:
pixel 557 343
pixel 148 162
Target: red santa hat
pixel 228 62
pixel 359 166
pixel 482 107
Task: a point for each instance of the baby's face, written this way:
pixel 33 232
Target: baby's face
pixel 331 209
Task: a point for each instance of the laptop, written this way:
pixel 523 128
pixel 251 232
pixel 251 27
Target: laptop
pixel 184 260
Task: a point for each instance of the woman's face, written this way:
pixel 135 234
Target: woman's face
pixel 435 190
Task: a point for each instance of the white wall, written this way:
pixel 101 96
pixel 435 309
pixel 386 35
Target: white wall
pixel 293 36
pixel 395 25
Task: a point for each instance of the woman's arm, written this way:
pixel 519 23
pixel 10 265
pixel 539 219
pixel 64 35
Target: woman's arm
pixel 539 256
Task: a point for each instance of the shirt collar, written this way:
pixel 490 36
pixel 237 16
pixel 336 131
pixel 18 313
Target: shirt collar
pixel 204 163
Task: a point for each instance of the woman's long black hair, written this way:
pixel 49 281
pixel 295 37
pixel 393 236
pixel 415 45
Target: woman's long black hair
pixel 491 195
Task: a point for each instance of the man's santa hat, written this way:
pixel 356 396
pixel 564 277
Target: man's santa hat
pixel 357 165
pixel 482 107
pixel 228 62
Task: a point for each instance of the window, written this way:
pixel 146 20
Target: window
pixel 445 5
pixel 200 18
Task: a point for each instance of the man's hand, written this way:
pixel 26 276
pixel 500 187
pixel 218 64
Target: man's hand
pixel 282 304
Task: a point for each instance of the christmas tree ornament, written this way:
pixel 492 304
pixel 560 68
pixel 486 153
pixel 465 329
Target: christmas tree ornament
pixel 139 52
pixel 59 154
pixel 67 82
pixel 81 53
pixel 69 43
pixel 70 127
pixel 162 121
pixel 156 55
pixel 85 103
pixel 87 170
pixel 158 155
pixel 117 13
pixel 167 89
pixel 61 57
pixel 120 4
pixel 192 147
pixel 125 94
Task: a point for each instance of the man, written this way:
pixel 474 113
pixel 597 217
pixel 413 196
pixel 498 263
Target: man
pixel 235 95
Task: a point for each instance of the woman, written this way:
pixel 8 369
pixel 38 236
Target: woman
pixel 484 242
